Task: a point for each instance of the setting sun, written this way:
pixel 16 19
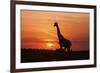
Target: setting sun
pixel 49 44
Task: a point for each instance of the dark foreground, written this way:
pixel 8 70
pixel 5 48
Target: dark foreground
pixel 31 55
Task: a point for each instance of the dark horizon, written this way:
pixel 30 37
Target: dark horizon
pixel 36 55
pixel 53 50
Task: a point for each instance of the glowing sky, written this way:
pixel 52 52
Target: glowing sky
pixel 38 32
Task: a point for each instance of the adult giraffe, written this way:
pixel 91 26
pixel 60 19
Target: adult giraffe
pixel 62 41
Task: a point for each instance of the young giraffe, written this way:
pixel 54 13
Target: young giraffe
pixel 62 41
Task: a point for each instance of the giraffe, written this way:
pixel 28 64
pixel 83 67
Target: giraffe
pixel 63 43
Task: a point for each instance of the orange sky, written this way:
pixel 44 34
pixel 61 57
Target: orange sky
pixel 37 30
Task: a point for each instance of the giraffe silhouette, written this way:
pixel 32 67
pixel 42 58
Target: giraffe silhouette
pixel 63 43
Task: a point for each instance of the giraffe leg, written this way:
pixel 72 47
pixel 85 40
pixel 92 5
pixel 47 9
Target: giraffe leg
pixel 68 49
pixel 64 48
pixel 60 46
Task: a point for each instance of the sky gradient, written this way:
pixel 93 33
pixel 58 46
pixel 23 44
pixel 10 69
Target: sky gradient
pixel 38 32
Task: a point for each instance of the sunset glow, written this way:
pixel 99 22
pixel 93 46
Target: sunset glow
pixel 38 32
pixel 50 45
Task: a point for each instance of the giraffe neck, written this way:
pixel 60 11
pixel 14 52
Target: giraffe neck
pixel 58 30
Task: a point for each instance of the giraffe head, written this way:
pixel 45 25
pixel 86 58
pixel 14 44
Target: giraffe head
pixel 55 24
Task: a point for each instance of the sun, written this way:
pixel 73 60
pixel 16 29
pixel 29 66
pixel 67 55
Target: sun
pixel 49 44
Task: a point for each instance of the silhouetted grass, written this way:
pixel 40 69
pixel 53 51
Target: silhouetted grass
pixel 35 55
